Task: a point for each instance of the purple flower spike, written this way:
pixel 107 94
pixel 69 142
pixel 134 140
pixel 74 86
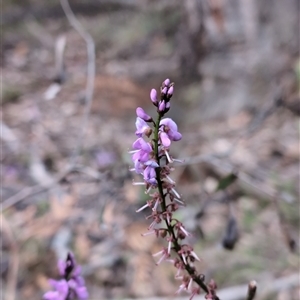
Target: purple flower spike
pixel 153 96
pixel 72 286
pixel 167 82
pixel 141 126
pixel 142 114
pixel 152 160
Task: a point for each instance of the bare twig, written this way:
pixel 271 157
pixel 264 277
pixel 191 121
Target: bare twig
pixel 13 260
pixel 251 290
pixel 290 241
pixel 269 108
pixel 91 69
pixel 225 167
pixel 36 189
pixel 32 190
pixel 60 46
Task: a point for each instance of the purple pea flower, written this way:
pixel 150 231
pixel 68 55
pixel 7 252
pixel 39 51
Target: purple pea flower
pixel 150 175
pixel 142 127
pixel 142 114
pixel 61 290
pixel 168 132
pixel 72 285
pixel 141 154
pixel 141 144
pixel 138 167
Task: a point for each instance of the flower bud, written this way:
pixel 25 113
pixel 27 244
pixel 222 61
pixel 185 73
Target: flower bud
pixel 142 114
pixel 168 105
pixel 170 91
pixel 166 82
pixel 162 106
pixel 153 96
pixel 164 91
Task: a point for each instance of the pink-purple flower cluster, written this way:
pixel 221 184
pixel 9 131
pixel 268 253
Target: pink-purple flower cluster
pixel 143 152
pixel 152 159
pixel 71 286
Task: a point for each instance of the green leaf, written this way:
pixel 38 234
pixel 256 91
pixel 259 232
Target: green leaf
pixel 226 181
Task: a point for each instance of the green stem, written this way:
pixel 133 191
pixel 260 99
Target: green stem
pixel 163 205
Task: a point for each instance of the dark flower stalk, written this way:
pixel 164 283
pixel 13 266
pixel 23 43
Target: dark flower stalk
pixel 152 160
pixel 71 286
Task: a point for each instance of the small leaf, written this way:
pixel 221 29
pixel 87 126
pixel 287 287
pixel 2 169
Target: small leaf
pixel 226 181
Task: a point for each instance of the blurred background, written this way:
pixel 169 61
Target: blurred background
pixel 65 164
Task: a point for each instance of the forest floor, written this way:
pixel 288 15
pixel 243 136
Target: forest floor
pixel 90 206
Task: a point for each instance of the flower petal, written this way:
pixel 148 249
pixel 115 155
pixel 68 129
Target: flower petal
pixel 165 139
pixel 142 114
pixel 141 126
pixel 175 135
pixel 170 123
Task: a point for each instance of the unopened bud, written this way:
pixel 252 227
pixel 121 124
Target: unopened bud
pixel 168 105
pixel 162 106
pixel 164 91
pixel 171 91
pixel 153 96
pixel 166 82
